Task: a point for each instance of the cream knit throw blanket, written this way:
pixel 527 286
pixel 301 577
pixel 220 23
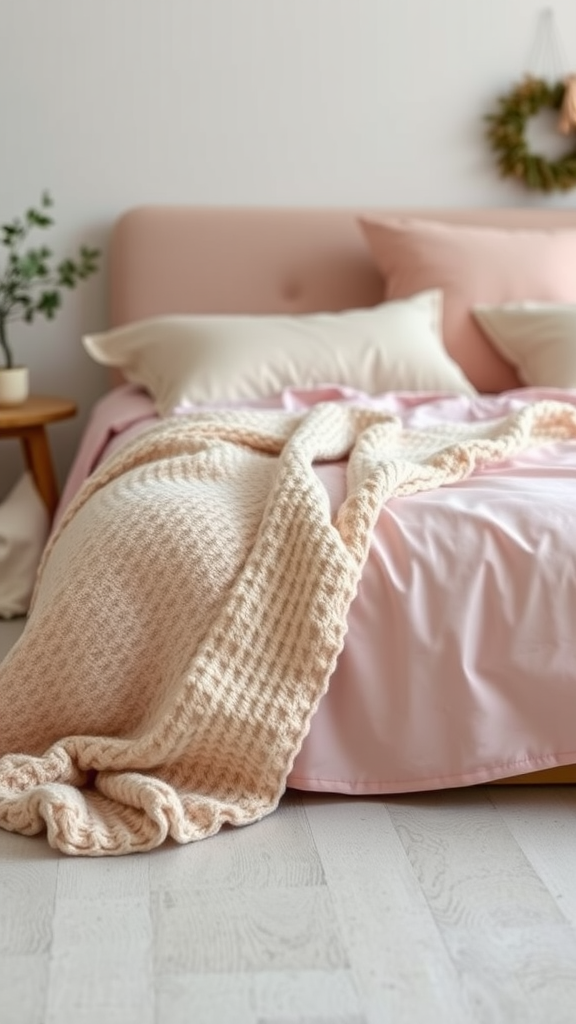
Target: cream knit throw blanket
pixel 190 610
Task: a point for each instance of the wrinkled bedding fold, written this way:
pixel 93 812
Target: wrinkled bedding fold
pixel 190 610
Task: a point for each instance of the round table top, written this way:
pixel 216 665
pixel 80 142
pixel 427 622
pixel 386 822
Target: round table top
pixel 36 411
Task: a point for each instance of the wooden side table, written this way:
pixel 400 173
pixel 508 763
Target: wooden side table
pixel 28 422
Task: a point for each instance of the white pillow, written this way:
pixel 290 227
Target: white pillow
pixel 23 532
pixel 184 360
pixel 538 338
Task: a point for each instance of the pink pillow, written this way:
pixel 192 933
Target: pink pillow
pixel 472 266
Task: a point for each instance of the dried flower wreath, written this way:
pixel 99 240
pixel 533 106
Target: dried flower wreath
pixel 507 133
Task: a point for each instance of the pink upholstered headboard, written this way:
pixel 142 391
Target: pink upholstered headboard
pixel 187 259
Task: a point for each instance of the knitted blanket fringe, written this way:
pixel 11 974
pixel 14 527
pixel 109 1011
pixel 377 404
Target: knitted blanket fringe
pixel 189 611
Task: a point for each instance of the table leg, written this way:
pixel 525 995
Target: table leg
pixel 39 462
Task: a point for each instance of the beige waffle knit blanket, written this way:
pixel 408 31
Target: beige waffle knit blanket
pixel 189 612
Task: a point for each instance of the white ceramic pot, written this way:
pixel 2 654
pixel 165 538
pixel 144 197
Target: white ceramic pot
pixel 14 385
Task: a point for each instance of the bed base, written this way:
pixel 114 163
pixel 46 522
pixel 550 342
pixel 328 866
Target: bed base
pixel 562 775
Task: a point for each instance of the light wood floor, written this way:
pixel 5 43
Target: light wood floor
pixel 441 908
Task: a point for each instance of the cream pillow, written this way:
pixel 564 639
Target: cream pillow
pixel 183 360
pixel 538 338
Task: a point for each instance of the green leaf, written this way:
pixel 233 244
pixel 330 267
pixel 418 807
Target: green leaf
pixel 35 219
pixel 67 273
pixel 48 303
pixel 32 265
pixel 12 232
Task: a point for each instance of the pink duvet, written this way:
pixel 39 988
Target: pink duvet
pixel 460 659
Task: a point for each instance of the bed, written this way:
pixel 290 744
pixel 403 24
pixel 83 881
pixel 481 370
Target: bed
pixel 357 556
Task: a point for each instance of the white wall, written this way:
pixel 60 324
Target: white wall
pixel 331 102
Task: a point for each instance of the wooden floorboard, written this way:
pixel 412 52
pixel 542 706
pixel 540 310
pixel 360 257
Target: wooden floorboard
pixel 456 907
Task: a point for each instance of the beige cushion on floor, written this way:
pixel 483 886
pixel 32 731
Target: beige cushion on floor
pixel 24 529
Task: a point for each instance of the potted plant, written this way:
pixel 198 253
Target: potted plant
pixel 31 284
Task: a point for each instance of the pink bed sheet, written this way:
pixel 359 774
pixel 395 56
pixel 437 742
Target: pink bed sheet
pixel 459 665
